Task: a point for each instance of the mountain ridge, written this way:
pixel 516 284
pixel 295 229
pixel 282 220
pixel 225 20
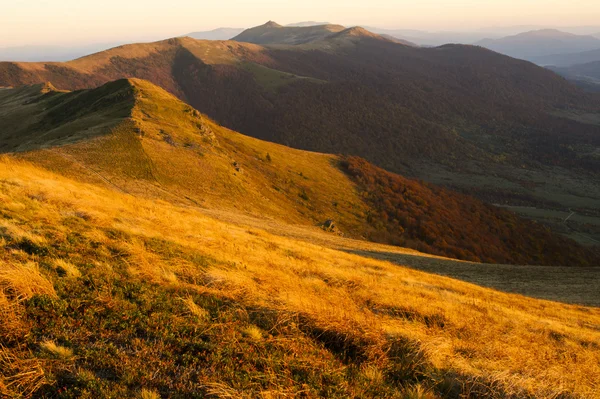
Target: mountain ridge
pixel 442 114
pixel 146 142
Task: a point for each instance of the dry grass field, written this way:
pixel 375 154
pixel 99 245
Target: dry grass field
pixel 104 294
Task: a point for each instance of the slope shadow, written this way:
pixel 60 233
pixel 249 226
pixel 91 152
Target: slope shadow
pixel 573 285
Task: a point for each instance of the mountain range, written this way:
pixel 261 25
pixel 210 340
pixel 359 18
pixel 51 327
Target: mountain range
pixel 541 43
pixel 461 116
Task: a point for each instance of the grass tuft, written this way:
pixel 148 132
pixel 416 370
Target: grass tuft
pixel 194 309
pixel 57 351
pixel 419 392
pixel 23 281
pixel 149 394
pixel 66 268
pixel 253 332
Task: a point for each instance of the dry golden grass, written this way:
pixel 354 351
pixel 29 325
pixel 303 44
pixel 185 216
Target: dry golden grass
pixel 19 377
pixel 253 332
pixel 55 350
pixel 22 281
pixel 198 311
pixel 149 394
pixel 69 269
pixel 511 344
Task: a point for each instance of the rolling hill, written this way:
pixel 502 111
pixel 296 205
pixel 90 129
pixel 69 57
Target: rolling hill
pixel 539 43
pixel 460 116
pixel 133 266
pixel 215 34
pixel 139 139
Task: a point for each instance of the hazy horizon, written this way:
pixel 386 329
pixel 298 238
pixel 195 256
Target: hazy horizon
pixel 76 22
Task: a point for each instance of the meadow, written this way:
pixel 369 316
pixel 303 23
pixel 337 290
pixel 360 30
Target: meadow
pixel 104 294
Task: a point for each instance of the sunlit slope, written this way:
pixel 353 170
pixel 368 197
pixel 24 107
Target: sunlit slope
pixel 160 147
pixel 100 290
pixel 150 144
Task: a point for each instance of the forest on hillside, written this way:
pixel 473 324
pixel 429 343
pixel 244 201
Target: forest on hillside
pixel 435 220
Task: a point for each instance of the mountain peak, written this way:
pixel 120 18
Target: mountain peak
pixel 272 24
pixel 547 33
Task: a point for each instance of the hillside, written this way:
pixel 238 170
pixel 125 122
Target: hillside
pixel 135 137
pixel 273 33
pixel 112 289
pixel 539 43
pixel 132 267
pixel 460 116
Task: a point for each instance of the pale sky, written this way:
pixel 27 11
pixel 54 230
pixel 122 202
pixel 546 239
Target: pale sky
pixel 60 22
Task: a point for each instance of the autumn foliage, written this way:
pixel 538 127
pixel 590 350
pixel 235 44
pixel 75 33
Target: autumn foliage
pixel 439 221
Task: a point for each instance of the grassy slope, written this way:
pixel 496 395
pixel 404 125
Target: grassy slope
pixel 104 294
pixel 39 116
pixel 167 150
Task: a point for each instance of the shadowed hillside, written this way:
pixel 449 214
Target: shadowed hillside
pixel 146 142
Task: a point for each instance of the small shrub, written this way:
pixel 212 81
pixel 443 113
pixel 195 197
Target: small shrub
pixel 303 195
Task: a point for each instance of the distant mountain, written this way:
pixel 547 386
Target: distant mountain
pixel 308 23
pixel 566 60
pixel 273 33
pixel 51 53
pixel 423 38
pixel 321 36
pixel 216 34
pixel 534 44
